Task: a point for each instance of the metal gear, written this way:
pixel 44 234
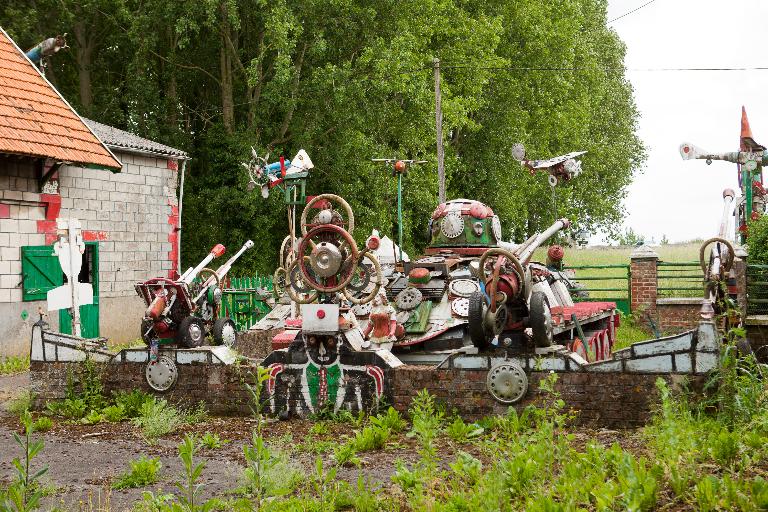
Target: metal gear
pixel 507 382
pixel 463 287
pixel 460 307
pixel 452 225
pixel 408 299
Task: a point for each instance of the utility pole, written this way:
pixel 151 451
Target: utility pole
pixel 439 129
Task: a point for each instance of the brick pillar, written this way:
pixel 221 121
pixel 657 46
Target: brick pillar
pixel 644 279
pixel 740 271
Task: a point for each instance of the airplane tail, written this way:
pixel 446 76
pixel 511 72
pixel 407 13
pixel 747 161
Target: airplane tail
pixel 690 152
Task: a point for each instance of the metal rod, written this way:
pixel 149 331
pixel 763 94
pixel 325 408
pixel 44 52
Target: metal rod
pixel 525 254
pixel 178 228
pixel 400 215
pixel 439 130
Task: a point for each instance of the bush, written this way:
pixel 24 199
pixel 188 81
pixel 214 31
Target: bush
pixel 43 424
pixel 143 471
pixel 758 241
pixel 156 418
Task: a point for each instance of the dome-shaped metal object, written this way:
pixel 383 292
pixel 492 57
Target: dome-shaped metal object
pixel 161 375
pixel 325 259
pixel 452 225
pixel 507 382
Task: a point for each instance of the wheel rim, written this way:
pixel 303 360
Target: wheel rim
pixel 161 374
pixel 228 334
pixel 507 382
pixel 195 332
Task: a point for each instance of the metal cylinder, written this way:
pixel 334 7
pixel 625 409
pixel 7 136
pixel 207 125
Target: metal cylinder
pixel 525 254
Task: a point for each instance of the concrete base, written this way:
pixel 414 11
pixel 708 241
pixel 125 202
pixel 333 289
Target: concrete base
pixel 119 321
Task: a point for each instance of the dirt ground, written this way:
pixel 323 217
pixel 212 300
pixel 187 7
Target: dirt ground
pixel 83 460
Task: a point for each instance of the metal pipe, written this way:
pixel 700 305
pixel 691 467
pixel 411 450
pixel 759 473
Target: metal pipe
pixel 728 196
pixel 190 276
pixel 222 270
pixel 525 244
pixel 525 254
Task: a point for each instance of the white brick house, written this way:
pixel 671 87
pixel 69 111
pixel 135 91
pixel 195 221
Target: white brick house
pixel 121 187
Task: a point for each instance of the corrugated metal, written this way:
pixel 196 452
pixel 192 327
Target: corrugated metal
pixel 36 121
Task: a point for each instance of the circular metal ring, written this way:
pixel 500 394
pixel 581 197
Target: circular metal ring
pixel 332 198
pixel 378 280
pixel 507 382
pixel 727 264
pixel 498 251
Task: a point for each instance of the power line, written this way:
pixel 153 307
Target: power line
pixel 630 12
pixel 607 69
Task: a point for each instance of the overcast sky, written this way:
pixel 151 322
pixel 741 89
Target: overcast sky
pixel 672 197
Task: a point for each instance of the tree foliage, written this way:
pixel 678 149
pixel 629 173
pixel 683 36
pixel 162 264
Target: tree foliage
pixel 349 80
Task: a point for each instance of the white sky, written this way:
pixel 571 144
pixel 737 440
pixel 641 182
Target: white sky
pixel 683 199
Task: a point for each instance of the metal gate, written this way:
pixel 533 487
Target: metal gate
pixel 245 299
pixel 757 289
pixel 603 283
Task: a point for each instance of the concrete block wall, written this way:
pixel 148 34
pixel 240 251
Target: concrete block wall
pixel 129 213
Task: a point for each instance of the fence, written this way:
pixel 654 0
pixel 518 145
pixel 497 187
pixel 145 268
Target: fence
pixel 245 299
pixel 757 289
pixel 679 279
pixel 603 283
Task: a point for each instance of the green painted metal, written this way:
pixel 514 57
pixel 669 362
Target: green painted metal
pixel 89 313
pixel 611 274
pixel 757 289
pixel 244 300
pixel 40 272
pixel 676 279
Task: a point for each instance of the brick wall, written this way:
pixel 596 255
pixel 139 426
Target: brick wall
pixel 678 314
pixel 127 213
pixel 643 280
pixel 605 399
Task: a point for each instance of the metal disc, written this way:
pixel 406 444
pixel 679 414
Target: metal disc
pixel 507 382
pixel 326 259
pixel 452 225
pixel 408 299
pixel 403 316
pixel 161 375
pixel 460 307
pixel 431 259
pixel 463 287
pixel 229 335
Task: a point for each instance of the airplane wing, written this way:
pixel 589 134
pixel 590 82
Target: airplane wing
pixel 551 162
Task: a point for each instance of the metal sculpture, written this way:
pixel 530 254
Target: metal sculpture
pixel 331 362
pixel 69 247
pixel 716 264
pixel 750 160
pixel 563 167
pixel 187 310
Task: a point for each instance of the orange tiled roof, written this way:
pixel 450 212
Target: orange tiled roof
pixel 35 119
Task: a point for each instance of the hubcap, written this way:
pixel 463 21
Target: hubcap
pixel 195 332
pixel 161 374
pixel 326 259
pixel 507 382
pixel 228 335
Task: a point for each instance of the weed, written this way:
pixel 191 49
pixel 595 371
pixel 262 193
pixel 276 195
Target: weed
pixel 143 471
pixel 70 408
pixel 157 419
pixel 390 420
pixel 43 424
pixel 269 472
pixel 198 414
pixel 321 428
pixel 212 441
pixel 345 454
pixel 12 364
pixel 21 402
pixel 132 401
pixel 190 487
pixel 462 432
pixel 113 413
pixel 24 493
pixel 370 438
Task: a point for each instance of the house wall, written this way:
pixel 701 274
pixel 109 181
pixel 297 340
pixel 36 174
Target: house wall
pixel 132 214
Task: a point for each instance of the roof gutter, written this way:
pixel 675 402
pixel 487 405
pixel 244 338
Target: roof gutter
pixel 137 151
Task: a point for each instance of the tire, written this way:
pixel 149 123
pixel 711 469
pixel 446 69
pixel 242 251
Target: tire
pixel 540 318
pixel 224 332
pixel 191 333
pixel 476 317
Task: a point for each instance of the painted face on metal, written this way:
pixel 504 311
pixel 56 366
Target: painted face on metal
pixel 322 350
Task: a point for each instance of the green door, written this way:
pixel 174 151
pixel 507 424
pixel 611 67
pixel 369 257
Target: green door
pixel 89 314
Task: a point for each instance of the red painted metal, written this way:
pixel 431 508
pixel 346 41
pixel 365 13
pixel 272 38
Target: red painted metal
pixel 218 250
pixel 173 238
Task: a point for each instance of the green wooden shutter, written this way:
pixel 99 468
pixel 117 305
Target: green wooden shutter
pixel 40 271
